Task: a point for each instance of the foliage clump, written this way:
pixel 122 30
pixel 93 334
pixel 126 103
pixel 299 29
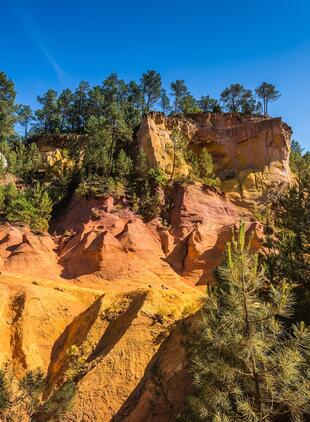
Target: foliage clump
pixel 30 396
pixel 31 206
pixel 20 397
pixel 202 167
pixel 200 162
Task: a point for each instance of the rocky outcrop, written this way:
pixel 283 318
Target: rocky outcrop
pixel 106 241
pixel 202 220
pixel 109 241
pixel 55 148
pixel 26 253
pixel 250 154
pixel 117 334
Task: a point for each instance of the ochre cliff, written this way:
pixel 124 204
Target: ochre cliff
pixel 250 154
pixel 111 285
pixel 125 292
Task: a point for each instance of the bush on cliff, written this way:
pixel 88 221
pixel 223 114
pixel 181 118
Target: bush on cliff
pixel 202 167
pixel 31 206
pixel 23 160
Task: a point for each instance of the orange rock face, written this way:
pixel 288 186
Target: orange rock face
pixel 111 285
pixel 250 154
pixel 26 253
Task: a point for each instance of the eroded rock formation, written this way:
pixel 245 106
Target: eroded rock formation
pixel 250 154
pixel 112 285
pixel 120 289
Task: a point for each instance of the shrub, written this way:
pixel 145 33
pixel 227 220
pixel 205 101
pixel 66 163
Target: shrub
pixel 100 187
pixel 23 160
pixel 31 206
pixel 202 167
pixel 145 193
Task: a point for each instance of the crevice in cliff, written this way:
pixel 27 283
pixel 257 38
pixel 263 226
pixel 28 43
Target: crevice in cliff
pixel 176 259
pixel 17 305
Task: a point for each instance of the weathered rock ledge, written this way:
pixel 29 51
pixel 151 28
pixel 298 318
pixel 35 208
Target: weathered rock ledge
pixel 250 154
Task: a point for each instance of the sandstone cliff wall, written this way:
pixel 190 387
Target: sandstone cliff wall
pixel 250 154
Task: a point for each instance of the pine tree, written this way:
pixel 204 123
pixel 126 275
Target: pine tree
pixel 202 167
pixel 206 103
pixel 236 98
pixel 7 107
pixel 123 165
pixel 65 108
pixel 20 398
pixel 114 90
pixel 245 365
pixel 27 161
pixel 32 206
pixel 81 106
pixel 151 88
pixel 165 102
pixel 179 143
pixel 267 92
pixel 189 104
pixel 288 255
pixel 48 118
pixel 25 116
pixel 179 91
pixel 96 152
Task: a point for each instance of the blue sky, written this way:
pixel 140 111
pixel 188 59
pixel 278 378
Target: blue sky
pixel 210 44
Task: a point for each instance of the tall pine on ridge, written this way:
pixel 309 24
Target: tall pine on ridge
pixel 245 365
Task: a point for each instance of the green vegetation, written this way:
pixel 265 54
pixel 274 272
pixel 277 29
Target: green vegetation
pixel 267 92
pixel 238 99
pixel 202 167
pixel 288 240
pixel 23 160
pixel 246 364
pixel 107 163
pixel 20 397
pixel 27 397
pixel 249 360
pixel 7 107
pixel 206 103
pixel 200 162
pixel 151 89
pixel 179 91
pixel 25 116
pixel 70 111
pixel 31 206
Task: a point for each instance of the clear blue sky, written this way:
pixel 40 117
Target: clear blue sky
pixel 55 44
